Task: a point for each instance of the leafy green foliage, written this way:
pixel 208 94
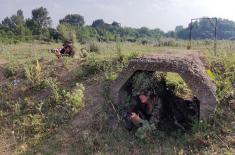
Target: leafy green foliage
pixel 75 98
pixel 32 119
pixel 154 82
pixel 34 73
pixel 10 70
pixel 16 28
pixel 73 19
pixel 41 19
pixel 204 29
pixel 146 131
pixel 176 83
pixel 224 76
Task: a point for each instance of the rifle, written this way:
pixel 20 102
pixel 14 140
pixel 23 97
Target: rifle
pixel 56 51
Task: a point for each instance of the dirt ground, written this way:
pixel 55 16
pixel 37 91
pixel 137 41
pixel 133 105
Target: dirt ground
pixel 93 102
pixel 4 147
pixel 1 74
pixel 2 61
pixel 4 144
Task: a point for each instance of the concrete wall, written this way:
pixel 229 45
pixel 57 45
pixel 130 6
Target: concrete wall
pixel 189 67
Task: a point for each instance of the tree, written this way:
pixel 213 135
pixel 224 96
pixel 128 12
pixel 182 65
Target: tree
pixel 86 33
pixel 40 16
pixel 40 21
pixel 116 24
pixel 54 34
pixel 204 29
pixel 170 34
pixel 156 33
pixel 14 20
pixel 143 32
pixel 32 25
pixel 180 32
pixel 18 19
pixel 16 24
pixel 73 19
pixel 179 28
pixel 99 23
pixel 7 22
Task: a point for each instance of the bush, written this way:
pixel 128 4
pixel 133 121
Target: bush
pixel 93 47
pixel 110 75
pixel 222 72
pixel 75 98
pixel 32 119
pixel 144 42
pixel 154 82
pixel 92 67
pixel 54 88
pixel 69 101
pixel 176 83
pixel 33 73
pixel 10 70
pixel 119 52
pixel 83 53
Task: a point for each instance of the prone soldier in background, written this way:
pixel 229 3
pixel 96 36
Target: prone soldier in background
pixel 67 50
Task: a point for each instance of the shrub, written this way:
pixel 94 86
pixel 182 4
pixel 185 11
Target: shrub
pixel 110 75
pixel 154 82
pixel 83 53
pixel 91 67
pixel 93 47
pixel 146 131
pixel 75 98
pixel 10 70
pixel 119 52
pixel 55 90
pixel 144 42
pixel 132 55
pixel 176 83
pixel 222 72
pixel 72 100
pixel 33 73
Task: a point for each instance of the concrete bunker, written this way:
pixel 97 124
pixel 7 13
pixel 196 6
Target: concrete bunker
pixel 188 66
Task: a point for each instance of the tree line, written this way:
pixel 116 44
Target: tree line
pixel 18 28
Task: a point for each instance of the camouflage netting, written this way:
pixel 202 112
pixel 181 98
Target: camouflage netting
pixel 189 67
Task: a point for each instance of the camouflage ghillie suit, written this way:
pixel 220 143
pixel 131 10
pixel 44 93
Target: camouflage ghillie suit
pixel 156 113
pixel 153 118
pixel 169 111
pixel 167 114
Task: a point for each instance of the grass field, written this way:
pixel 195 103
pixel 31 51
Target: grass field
pixel 51 106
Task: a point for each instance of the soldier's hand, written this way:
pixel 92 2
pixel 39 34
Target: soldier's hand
pixel 135 118
pixel 58 54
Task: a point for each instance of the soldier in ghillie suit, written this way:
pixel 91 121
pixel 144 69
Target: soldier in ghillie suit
pixel 147 108
pixel 158 106
pixel 67 50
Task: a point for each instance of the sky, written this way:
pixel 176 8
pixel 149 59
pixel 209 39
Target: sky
pixel 163 14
